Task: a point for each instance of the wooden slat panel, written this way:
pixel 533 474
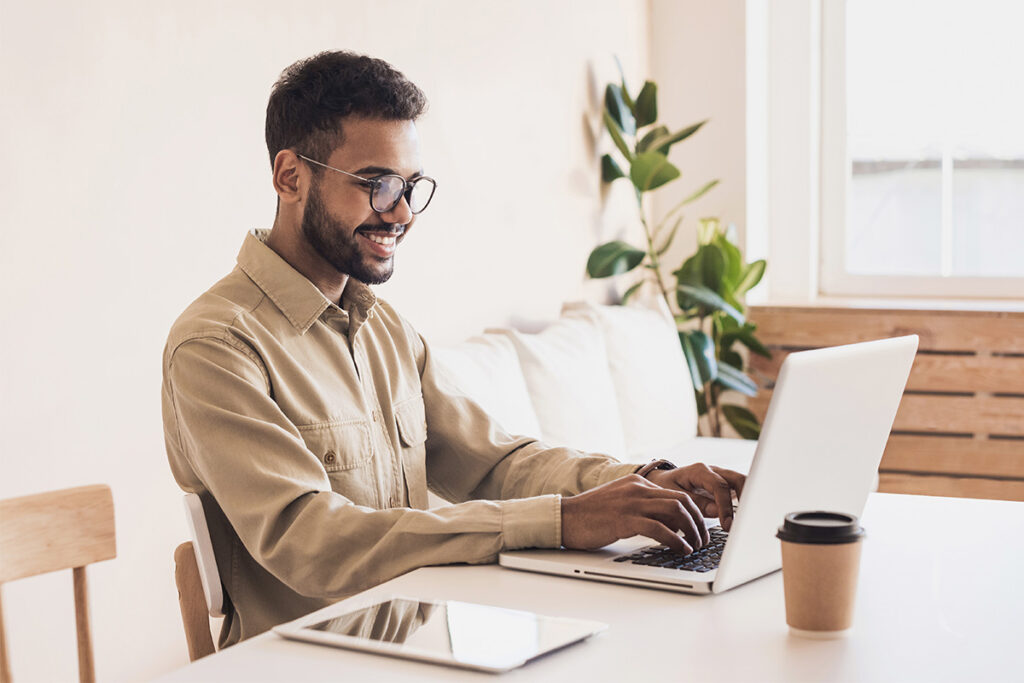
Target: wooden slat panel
pixel 967 414
pixel 999 415
pixel 939 330
pixel 960 487
pixel 993 374
pixel 979 457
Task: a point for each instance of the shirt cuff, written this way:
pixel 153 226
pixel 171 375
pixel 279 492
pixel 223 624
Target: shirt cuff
pixel 532 522
pixel 619 471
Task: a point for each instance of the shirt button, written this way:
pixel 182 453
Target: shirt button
pixel 329 457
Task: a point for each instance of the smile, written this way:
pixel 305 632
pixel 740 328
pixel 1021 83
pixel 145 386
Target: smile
pixel 386 241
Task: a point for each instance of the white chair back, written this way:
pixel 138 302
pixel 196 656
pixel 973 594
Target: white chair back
pixel 205 559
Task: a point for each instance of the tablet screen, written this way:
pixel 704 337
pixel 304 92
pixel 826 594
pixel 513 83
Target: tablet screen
pixel 459 632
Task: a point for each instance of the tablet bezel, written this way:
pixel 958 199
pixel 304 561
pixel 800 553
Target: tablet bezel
pixel 299 630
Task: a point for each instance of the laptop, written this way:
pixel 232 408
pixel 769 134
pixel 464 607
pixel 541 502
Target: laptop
pixel 820 446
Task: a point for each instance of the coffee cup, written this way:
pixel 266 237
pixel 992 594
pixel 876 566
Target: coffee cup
pixel 820 563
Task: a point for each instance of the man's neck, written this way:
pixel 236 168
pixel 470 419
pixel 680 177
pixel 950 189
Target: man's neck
pixel 300 256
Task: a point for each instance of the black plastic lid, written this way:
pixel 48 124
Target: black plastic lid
pixel 820 527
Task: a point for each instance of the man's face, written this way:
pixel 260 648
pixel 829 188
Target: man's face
pixel 337 220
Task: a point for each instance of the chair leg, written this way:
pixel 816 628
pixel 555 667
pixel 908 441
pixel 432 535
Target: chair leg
pixel 86 674
pixel 5 667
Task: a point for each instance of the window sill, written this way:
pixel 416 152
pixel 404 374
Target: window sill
pixel 897 303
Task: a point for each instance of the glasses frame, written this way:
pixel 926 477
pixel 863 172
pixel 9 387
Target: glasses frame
pixel 374 183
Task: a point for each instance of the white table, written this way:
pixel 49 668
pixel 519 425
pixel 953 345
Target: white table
pixel 925 612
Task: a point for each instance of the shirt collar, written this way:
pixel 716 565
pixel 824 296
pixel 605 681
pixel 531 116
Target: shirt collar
pixel 296 297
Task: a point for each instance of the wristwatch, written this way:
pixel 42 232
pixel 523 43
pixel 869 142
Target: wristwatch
pixel 655 465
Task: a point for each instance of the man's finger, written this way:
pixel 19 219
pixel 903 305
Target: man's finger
pixel 698 519
pixel 735 479
pixel 652 528
pixel 722 491
pixel 677 516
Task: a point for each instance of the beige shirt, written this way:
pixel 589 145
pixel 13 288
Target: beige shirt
pixel 312 432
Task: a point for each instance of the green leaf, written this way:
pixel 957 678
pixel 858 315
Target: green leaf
pixel 703 269
pixel 610 169
pixel 711 299
pixel 651 170
pixel 755 345
pixel 613 258
pixel 714 265
pixel 671 236
pixel 707 230
pixel 613 130
pixel 630 292
pixel 644 144
pixel 742 420
pixel 647 105
pixel 663 143
pixel 615 105
pixel 744 335
pixel 731 378
pixel 733 266
pixel 702 405
pixel 731 358
pixel 751 275
pixel 699 193
pixel 693 197
pixel 625 88
pixel 699 350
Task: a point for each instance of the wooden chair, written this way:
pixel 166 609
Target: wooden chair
pixel 47 532
pixel 200 594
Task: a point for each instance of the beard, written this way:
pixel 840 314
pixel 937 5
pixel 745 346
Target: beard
pixel 332 241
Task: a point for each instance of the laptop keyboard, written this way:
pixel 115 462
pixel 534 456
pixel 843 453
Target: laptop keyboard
pixel 704 560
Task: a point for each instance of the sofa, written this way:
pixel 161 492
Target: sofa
pixel 605 379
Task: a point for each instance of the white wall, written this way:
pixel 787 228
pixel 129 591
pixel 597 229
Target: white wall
pixel 134 163
pixel 698 59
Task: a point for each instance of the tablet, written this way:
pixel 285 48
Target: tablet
pixel 461 634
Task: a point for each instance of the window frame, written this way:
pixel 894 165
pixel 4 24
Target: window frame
pixel 833 279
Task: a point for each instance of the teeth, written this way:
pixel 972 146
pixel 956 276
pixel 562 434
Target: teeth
pixel 386 241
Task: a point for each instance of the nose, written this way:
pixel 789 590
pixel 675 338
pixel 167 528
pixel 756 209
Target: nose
pixel 401 213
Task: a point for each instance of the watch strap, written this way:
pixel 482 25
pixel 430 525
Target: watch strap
pixel 655 465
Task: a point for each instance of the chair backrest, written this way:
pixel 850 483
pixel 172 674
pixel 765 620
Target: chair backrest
pixel 48 532
pixel 194 612
pixel 206 561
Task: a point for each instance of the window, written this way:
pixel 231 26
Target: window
pixel 922 148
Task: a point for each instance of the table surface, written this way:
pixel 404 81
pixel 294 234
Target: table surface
pixel 939 599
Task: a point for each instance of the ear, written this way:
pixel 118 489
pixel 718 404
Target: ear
pixel 291 177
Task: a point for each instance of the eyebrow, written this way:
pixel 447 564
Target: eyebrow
pixel 382 170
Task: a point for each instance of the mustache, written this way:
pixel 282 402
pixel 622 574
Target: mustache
pixel 389 228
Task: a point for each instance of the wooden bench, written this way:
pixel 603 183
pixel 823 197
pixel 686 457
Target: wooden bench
pixel 960 427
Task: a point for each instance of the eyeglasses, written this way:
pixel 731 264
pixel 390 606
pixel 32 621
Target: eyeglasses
pixel 387 190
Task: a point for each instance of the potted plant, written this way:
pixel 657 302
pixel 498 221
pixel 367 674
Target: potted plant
pixel 707 297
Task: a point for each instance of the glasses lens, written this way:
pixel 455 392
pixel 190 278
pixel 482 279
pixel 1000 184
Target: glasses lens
pixel 421 193
pixel 387 192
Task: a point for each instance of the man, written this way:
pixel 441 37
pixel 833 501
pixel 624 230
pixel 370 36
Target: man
pixel 311 417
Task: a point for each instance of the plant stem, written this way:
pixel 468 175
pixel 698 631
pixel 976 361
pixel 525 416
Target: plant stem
pixel 652 254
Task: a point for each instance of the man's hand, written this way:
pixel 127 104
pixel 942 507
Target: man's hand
pixel 711 488
pixel 632 506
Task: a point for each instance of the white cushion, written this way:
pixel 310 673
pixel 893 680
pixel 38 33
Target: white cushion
pixel 566 372
pixel 486 368
pixel 649 372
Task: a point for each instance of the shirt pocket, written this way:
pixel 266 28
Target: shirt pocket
pixel 345 451
pixel 412 432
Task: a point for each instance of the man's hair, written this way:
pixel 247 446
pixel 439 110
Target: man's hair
pixel 312 96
